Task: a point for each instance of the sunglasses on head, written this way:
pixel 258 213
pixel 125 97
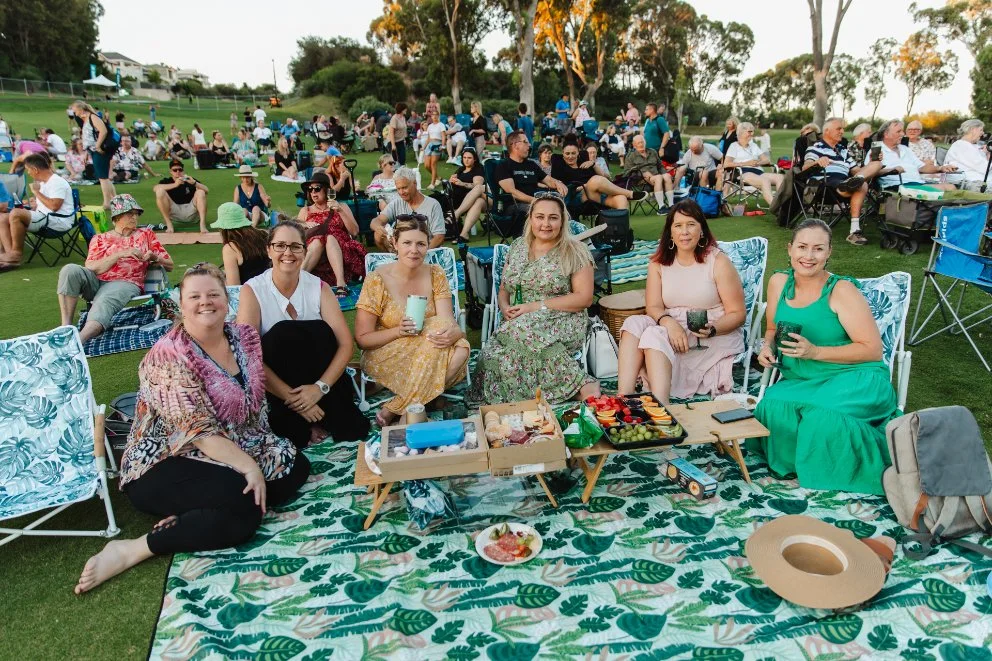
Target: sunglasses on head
pixel 546 195
pixel 412 216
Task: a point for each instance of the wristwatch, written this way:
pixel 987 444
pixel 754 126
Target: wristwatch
pixel 544 306
pixel 324 388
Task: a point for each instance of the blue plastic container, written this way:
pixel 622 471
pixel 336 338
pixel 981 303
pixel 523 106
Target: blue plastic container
pixel 432 434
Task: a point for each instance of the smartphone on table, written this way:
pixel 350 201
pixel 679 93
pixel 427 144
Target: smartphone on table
pixel 733 415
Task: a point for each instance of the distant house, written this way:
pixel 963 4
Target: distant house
pixel 165 72
pixel 193 74
pixel 117 61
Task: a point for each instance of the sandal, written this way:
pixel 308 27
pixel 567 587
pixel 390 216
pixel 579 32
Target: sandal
pixel 341 291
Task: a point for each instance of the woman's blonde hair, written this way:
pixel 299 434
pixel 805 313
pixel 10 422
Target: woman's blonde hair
pixel 283 142
pixel 572 254
pixel 383 159
pixel 204 268
pixel 475 105
pixel 78 103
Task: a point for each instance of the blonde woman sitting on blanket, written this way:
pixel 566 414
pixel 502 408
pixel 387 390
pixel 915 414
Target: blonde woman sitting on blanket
pixel 417 366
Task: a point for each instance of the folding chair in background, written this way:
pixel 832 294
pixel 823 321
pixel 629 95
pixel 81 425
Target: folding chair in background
pixel 956 263
pixel 502 216
pixel 53 450
pixel 63 242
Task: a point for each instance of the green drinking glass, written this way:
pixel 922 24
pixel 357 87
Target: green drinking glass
pixel 696 320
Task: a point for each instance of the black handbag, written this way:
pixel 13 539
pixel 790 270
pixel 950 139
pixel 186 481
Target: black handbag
pixel 618 234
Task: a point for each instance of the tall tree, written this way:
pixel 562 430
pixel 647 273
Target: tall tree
pixel 967 21
pixel 845 78
pixel 823 59
pixel 440 33
pixel 582 33
pixel 921 66
pixel 51 40
pixel 715 53
pixel 657 40
pixel 981 92
pixel 520 16
pixel 877 66
pixel 315 53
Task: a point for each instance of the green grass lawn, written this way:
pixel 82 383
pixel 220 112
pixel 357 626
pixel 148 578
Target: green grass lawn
pixel 43 619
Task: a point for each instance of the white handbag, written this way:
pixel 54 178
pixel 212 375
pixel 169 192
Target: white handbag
pixel 601 355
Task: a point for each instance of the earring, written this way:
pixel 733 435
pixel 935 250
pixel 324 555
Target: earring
pixel 702 240
pixel 671 244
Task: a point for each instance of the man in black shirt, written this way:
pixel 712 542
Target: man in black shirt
pixel 590 186
pixel 180 197
pixel 519 176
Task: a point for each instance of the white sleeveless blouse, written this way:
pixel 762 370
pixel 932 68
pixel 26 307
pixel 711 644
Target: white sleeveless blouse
pixel 273 305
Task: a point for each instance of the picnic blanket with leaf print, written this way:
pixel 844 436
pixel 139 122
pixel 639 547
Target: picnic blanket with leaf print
pixel 641 572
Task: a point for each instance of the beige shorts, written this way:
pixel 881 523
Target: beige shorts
pixel 183 212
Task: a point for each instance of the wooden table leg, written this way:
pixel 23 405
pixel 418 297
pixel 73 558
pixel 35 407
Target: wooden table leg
pixel 593 477
pixel 547 491
pixel 583 465
pixel 739 457
pixel 381 493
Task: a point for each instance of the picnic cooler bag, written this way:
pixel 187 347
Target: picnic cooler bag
pixel 909 213
pixel 480 272
pixel 709 200
pixel 618 234
pixel 940 480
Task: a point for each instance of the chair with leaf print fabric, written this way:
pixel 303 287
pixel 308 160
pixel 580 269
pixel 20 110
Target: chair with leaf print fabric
pixel 750 258
pixel 443 257
pixel 53 450
pixel 888 298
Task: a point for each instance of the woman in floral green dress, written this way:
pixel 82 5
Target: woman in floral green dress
pixel 535 346
pixel 827 415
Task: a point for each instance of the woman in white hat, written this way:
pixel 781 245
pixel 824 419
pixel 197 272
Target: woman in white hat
pixel 251 196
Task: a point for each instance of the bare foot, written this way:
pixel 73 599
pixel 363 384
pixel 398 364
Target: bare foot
pixel 116 557
pixel 385 417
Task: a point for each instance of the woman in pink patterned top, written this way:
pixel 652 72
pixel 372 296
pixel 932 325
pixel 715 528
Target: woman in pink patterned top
pixel 200 453
pixel 115 269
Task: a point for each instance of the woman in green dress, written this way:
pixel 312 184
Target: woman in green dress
pixel 535 346
pixel 827 415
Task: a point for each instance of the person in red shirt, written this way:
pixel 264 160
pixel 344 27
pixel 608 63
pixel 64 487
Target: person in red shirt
pixel 115 269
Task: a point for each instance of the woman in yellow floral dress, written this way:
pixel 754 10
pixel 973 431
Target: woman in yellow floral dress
pixel 415 366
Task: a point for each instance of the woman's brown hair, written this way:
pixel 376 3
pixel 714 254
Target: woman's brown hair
pixel 410 223
pixel 665 254
pixel 251 242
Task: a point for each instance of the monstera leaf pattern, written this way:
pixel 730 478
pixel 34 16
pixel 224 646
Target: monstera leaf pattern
pixel 46 428
pixel 888 298
pixel 642 572
pixel 749 257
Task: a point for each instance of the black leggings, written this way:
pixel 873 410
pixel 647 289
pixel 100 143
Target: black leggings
pixel 299 352
pixel 212 511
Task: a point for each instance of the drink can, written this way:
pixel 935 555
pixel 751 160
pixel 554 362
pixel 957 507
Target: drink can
pixel 416 413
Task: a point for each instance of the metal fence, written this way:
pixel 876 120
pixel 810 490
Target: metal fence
pixel 25 87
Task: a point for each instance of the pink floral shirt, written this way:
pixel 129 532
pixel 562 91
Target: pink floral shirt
pixel 129 269
pixel 184 396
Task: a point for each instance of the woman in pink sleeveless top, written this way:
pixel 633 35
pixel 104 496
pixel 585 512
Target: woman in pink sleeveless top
pixel 687 272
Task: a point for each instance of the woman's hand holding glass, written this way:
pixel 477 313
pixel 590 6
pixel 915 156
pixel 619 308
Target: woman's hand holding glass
pixel 766 357
pixel 799 347
pixel 407 327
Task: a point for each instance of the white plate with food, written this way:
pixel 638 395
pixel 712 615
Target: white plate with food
pixel 508 543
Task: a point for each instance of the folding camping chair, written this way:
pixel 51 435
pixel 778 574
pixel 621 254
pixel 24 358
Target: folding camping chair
pixel 63 242
pixel 590 129
pixel 888 298
pixel 443 257
pixel 52 440
pixel 503 215
pixel 633 179
pixel 955 255
pixel 750 258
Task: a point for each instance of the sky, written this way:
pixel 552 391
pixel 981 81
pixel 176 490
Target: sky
pixel 781 29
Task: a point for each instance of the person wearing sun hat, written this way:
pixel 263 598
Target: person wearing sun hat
pixel 245 249
pixel 115 268
pixel 251 196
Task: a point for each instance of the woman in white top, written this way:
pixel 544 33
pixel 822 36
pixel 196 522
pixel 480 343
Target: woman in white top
pixel 382 187
pixel 436 138
pixel 305 381
pixel 747 155
pixel 198 139
pixel 971 159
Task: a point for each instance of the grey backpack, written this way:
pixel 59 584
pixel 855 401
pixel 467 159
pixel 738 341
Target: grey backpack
pixel 940 480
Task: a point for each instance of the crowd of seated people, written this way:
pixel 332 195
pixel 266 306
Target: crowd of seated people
pixel 252 399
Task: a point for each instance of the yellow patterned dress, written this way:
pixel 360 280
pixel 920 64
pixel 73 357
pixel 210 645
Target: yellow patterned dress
pixel 411 367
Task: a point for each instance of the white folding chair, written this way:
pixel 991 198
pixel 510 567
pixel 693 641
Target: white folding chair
pixel 53 449
pixel 443 257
